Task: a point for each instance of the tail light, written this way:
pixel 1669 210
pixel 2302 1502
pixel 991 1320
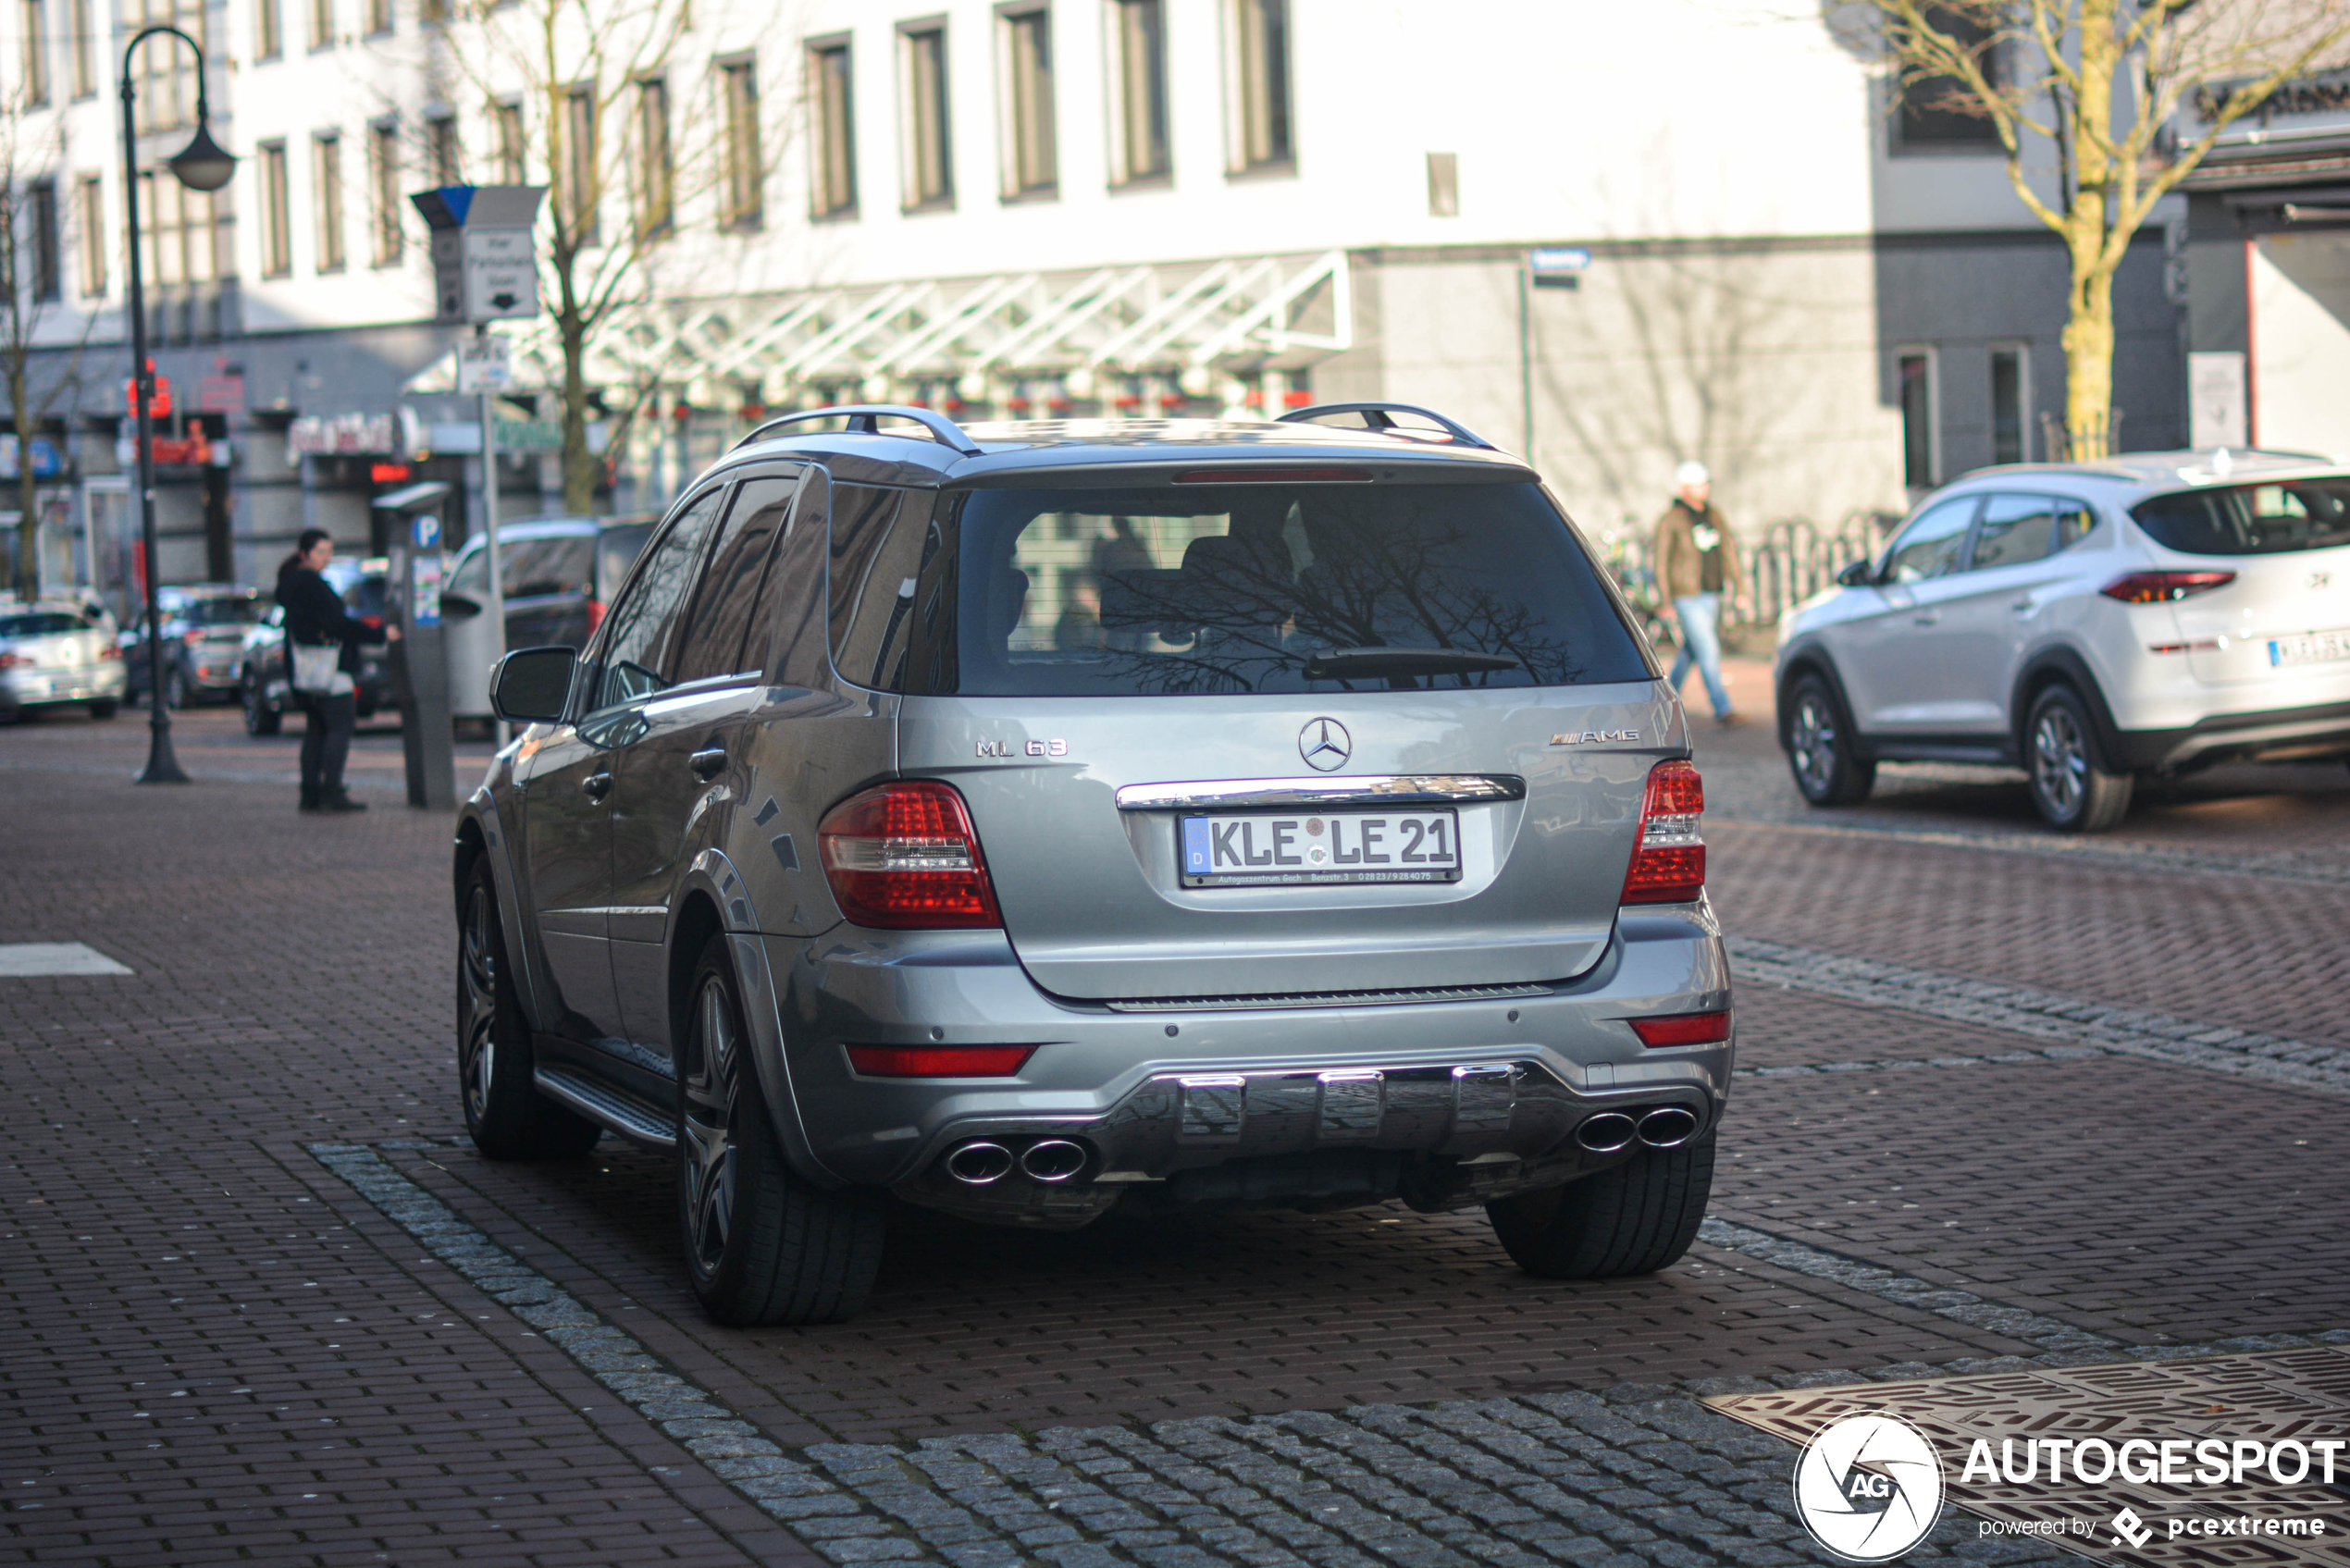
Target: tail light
pixel 902 856
pixel 595 615
pixel 108 651
pixel 1668 865
pixel 14 661
pixel 1683 1029
pixel 938 1061
pixel 2161 588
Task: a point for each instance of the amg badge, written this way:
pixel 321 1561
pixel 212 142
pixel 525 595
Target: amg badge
pixel 1593 737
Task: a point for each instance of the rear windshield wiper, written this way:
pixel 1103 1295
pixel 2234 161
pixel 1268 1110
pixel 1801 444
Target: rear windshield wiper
pixel 1374 664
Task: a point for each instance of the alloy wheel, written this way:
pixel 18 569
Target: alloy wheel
pixel 2060 760
pixel 1813 735
pixel 478 971
pixel 708 1126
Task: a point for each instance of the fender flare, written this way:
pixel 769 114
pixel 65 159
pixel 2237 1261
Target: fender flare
pixel 481 813
pixel 713 876
pixel 2044 668
pixel 1810 659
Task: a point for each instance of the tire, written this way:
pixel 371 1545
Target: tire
pixel 105 707
pixel 762 1246
pixel 260 717
pixel 1632 1218
pixel 175 688
pixel 2071 785
pixel 1819 748
pixel 508 1118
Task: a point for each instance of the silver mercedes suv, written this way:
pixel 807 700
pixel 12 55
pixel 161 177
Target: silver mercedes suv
pixel 1041 820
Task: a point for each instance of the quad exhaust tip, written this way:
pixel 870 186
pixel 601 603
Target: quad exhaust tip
pixel 1053 1159
pixel 1668 1127
pixel 979 1163
pixel 1607 1133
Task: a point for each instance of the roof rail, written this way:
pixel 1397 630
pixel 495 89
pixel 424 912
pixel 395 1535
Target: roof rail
pixel 1375 414
pixel 864 419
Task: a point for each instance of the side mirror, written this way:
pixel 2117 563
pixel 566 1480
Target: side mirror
pixel 532 685
pixel 459 607
pixel 1856 575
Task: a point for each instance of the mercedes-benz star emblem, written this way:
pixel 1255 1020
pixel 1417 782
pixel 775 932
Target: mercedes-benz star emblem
pixel 1325 744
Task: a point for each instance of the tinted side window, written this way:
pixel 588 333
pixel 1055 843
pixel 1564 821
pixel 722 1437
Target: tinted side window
pixel 862 520
pixel 787 629
pixel 712 643
pixel 635 661
pixel 1929 546
pixel 2016 531
pixel 873 652
pixel 2251 519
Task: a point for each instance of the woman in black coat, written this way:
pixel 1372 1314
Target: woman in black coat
pixel 315 618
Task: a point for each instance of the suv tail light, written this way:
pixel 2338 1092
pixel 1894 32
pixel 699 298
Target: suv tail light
pixel 1668 864
pixel 1683 1029
pixel 902 856
pixel 939 1061
pixel 2161 587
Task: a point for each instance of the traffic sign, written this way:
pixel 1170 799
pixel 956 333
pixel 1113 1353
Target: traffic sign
pixel 1558 266
pixel 485 263
pixel 485 363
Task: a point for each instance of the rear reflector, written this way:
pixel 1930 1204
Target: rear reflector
pixel 1272 477
pixel 902 856
pixel 939 1061
pixel 1668 864
pixel 1683 1029
pixel 2159 587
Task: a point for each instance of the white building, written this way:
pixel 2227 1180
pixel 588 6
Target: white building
pixel 1091 206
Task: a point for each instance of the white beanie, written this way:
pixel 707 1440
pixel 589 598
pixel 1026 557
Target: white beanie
pixel 1690 474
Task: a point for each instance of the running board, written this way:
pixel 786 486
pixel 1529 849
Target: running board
pixel 621 1113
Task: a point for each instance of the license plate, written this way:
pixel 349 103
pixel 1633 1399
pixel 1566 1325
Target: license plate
pixel 2310 647
pixel 1259 850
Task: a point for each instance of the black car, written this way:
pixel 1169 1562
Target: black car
pixel 204 638
pixel 366 589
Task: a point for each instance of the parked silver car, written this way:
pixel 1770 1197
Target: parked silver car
pixel 1045 820
pixel 54 655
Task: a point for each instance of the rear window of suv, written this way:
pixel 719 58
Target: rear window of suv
pixel 1166 591
pixel 2272 519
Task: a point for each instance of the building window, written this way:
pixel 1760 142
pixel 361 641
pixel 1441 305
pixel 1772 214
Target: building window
pixel 1443 185
pixel 325 159
pixel 507 117
pixel 85 61
pixel 746 163
pixel 277 211
pixel 1933 113
pixel 1915 375
pixel 446 159
pixel 92 223
pixel 383 179
pixel 579 193
pixel 166 69
pixel 1031 165
pixel 930 168
pixel 379 17
pixel 834 194
pixel 322 23
pixel 36 52
pixel 2011 404
pixel 1139 138
pixel 178 230
pixel 1257 66
pixel 655 167
pixel 48 255
pixel 269 31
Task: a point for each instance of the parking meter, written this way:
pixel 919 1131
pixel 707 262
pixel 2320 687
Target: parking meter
pixel 421 667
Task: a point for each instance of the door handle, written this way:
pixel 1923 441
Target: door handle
pixel 707 762
pixel 2023 606
pixel 1928 618
pixel 595 786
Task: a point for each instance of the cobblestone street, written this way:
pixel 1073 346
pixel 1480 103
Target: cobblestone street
pixel 2007 1104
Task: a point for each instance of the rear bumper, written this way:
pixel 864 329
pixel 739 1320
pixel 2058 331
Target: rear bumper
pixel 31 689
pixel 1444 1103
pixel 2277 733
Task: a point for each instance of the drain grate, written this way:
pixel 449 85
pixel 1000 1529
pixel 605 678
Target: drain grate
pixel 2302 1395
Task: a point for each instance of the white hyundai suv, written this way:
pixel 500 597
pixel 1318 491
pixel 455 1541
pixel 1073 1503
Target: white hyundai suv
pixel 2089 622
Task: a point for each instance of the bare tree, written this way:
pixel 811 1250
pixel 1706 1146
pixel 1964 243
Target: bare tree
pixel 638 136
pixel 2103 82
pixel 31 287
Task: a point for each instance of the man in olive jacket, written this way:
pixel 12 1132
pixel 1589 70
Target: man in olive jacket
pixel 1696 562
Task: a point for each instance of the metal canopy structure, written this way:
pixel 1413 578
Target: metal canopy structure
pixel 1234 315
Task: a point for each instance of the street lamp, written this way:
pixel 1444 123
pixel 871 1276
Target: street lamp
pixel 203 165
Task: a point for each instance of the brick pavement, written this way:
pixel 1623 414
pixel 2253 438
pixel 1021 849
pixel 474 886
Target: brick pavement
pixel 217 1349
